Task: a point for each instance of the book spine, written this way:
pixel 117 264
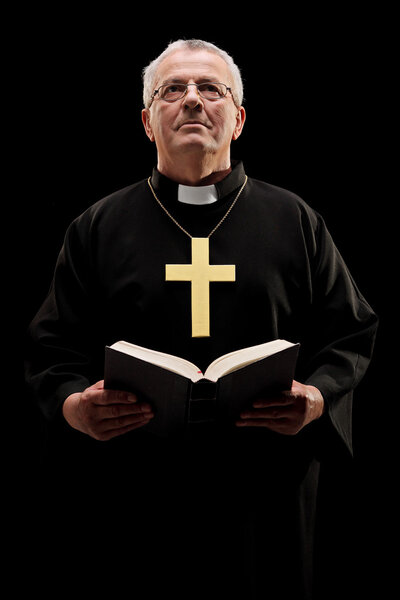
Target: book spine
pixel 202 402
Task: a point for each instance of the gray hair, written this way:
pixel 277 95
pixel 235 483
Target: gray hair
pixel 149 72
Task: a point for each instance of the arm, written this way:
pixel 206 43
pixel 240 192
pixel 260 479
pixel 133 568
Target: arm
pixel 337 335
pixel 62 351
pixel 65 353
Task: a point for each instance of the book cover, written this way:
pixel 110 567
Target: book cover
pixel 181 400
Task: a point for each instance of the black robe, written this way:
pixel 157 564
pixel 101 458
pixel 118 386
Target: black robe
pixel 221 514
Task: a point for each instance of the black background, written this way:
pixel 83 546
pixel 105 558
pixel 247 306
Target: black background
pixel 318 87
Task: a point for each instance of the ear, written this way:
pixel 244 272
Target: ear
pixel 240 119
pixel 146 123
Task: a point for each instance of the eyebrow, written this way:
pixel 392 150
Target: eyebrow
pixel 184 80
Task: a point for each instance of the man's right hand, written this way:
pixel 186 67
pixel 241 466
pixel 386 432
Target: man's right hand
pixel 104 414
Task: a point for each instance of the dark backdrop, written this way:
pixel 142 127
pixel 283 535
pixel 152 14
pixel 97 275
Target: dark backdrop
pixel 316 87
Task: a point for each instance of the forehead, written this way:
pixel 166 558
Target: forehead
pixel 193 64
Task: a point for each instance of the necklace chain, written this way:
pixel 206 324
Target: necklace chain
pixel 180 226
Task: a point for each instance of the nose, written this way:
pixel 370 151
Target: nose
pixel 192 97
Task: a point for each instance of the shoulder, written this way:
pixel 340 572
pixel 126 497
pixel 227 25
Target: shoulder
pixel 113 208
pixel 120 201
pixel 281 202
pixel 105 219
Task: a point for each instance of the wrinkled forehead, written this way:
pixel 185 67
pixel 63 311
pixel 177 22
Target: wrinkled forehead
pixel 196 65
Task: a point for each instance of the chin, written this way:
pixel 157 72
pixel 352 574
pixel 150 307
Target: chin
pixel 197 143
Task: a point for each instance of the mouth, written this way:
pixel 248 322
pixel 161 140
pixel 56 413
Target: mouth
pixel 192 123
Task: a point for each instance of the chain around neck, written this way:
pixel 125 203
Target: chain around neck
pixel 180 226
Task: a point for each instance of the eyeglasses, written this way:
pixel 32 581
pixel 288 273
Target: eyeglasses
pixel 171 92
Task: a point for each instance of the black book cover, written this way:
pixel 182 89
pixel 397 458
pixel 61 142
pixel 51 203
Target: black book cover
pixel 178 402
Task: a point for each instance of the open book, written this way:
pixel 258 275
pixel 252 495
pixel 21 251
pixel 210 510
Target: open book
pixel 182 395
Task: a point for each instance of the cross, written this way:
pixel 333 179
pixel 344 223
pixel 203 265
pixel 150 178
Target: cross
pixel 200 273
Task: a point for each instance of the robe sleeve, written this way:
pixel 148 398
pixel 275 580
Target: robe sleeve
pixel 62 353
pixel 341 333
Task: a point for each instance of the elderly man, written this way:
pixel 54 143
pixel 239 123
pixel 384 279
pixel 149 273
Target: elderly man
pixel 229 513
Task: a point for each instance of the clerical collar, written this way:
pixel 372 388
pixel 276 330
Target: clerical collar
pixel 197 195
pixel 169 188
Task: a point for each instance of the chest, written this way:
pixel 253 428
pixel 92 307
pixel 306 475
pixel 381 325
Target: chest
pixel 254 278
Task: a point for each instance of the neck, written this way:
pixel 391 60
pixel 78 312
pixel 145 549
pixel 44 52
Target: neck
pixel 194 172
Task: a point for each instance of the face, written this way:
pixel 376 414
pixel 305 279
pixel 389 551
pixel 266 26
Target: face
pixel 193 124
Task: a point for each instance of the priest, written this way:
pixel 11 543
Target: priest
pixel 197 260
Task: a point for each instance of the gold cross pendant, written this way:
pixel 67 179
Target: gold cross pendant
pixel 200 273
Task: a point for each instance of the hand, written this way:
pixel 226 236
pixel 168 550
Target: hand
pixel 104 414
pixel 286 413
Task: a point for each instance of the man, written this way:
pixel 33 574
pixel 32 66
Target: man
pixel 229 514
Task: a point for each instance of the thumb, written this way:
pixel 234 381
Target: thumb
pixel 99 385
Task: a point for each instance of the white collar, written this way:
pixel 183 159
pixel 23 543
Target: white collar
pixel 206 194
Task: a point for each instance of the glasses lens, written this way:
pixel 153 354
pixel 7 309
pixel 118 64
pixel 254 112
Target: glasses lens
pixel 212 91
pixel 172 92
pixel 175 91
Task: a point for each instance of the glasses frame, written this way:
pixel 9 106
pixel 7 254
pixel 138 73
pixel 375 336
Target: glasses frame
pixel 228 89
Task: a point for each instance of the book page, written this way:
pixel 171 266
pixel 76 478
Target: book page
pixel 240 358
pixel 167 361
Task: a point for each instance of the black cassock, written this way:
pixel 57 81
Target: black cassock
pixel 219 514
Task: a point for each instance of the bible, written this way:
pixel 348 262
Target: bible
pixel 182 396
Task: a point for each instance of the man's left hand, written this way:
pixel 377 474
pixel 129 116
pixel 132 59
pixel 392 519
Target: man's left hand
pixel 286 413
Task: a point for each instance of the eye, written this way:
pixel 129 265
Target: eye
pixel 172 91
pixel 173 88
pixel 210 87
pixel 212 91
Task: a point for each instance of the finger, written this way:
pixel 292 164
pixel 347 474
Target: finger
pixel 274 424
pixel 121 422
pixel 265 413
pixel 105 397
pixel 282 426
pixel 108 434
pixel 283 400
pixel 115 411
